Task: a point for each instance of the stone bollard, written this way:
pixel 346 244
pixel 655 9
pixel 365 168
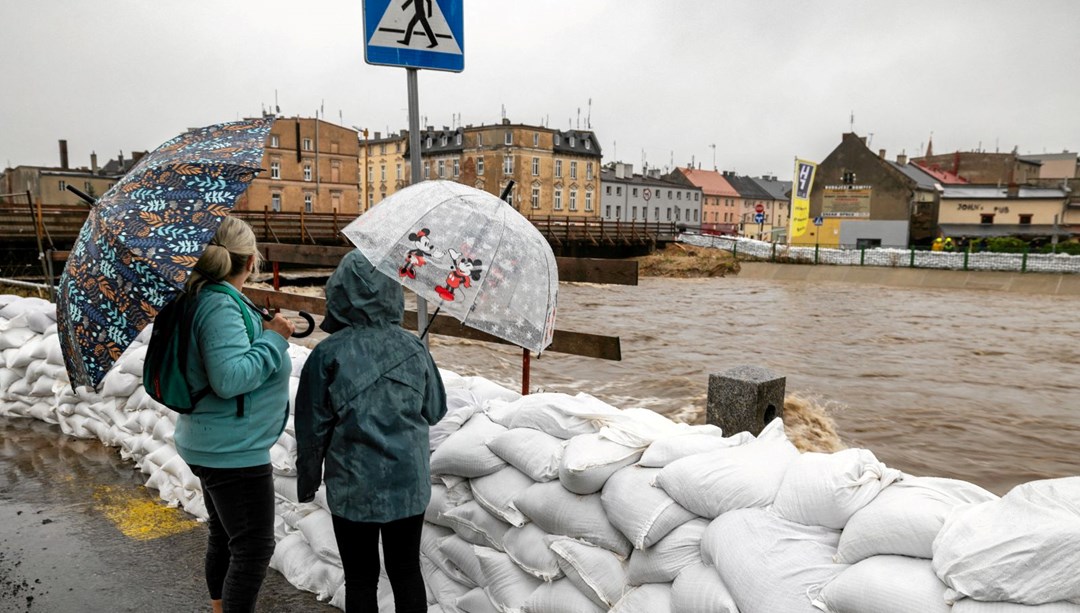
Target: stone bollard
pixel 745 398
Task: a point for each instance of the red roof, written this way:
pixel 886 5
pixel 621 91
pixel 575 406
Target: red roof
pixel 942 176
pixel 711 182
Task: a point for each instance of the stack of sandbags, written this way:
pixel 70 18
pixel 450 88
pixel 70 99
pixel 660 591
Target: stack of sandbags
pixel 31 368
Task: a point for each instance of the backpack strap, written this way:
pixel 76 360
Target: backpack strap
pixel 247 310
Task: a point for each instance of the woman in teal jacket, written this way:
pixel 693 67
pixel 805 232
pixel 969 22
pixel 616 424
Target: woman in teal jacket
pixel 226 440
pixel 367 396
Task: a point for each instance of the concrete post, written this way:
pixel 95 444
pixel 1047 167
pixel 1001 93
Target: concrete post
pixel 745 398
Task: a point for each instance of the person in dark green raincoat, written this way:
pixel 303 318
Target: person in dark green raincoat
pixel 367 396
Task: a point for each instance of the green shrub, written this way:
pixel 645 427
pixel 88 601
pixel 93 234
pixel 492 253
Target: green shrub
pixel 1069 248
pixel 1006 244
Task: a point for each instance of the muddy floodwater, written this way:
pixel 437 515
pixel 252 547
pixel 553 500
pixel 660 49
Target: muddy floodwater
pixel 969 384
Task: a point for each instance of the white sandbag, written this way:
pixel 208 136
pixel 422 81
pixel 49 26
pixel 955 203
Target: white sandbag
pixel 164 429
pixel 54 354
pixel 459 560
pixel 561 415
pixel 42 387
pixel 746 476
pixel 14 338
pixel 486 389
pixel 560 512
pixel 589 460
pixel 598 573
pixel 662 562
pixel 43 411
pixel 31 350
pixel 475 601
pixel 131 362
pixel 639 428
pixel 285 487
pixel 500 411
pixel 974 606
pixel 528 547
pixel 508 586
pixel 885 584
pixel 1023 548
pixel 465 454
pixel 318 530
pixel 826 489
pixel 25 305
pixel 40 321
pixel 798 559
pixel 20 388
pixel 642 512
pixel 699 589
pixel 905 518
pixel 560 597
pixel 533 452
pixel 496 493
pixel 474 524
pixel 9 376
pixel 700 439
pixel 446 590
pixel 118 384
pixel 651 598
pixel 442 502
pixel 283 462
pixel 453 420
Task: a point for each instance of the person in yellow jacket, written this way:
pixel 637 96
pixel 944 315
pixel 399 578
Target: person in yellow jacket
pixel 949 245
pixel 938 244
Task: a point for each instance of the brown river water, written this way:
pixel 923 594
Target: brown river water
pixel 971 384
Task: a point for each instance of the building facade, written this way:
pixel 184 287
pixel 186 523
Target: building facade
pixel 979 211
pixel 48 184
pixel 753 197
pixel 719 214
pixel 630 197
pixel 983 167
pixel 311 166
pixel 383 166
pixel 780 194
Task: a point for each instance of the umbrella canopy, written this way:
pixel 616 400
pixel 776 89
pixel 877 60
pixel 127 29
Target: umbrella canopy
pixel 469 252
pixel 143 237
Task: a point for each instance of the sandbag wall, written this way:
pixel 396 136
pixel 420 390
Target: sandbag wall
pixel 551 502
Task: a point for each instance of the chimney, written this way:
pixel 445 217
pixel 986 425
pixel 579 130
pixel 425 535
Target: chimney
pixel 902 159
pixel 121 160
pixel 620 173
pixel 881 153
pixel 63 154
pixel 1013 191
pixel 505 121
pixel 378 135
pixel 93 161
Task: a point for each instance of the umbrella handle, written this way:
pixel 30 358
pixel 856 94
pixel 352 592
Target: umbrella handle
pixel 432 319
pixel 310 325
pixel 78 192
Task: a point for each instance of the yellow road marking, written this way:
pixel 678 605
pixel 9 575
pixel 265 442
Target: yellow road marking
pixel 137 516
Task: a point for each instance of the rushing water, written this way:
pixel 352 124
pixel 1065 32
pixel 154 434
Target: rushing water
pixel 970 384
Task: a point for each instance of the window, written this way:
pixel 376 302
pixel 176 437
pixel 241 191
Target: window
pixel 62 185
pixel 678 195
pixel 480 165
pixel 607 210
pixel 588 144
pixel 427 170
pixel 275 169
pixel 442 141
pixel 536 139
pixel 370 173
pixel 669 194
pixel 480 139
pixel 457 139
pixel 618 212
pixel 695 215
pixel 656 213
pixel 573 200
pixel 696 197
pixel 571 140
pixel 607 190
pixel 307 203
pixel 397 147
pixel 588 200
pixel 536 166
pixel 275 141
pixel 399 171
pixel 634 192
pixel 669 213
pixel 508 138
pixel 588 171
pixel 382 149
pixel 986 218
pixel 659 194
pixel 677 214
pixel 441 164
pixel 558 169
pixel 557 139
pixel 847 177
pixel 382 172
pixel 307 144
pixel 275 202
pixel 558 200
pixel 535 199
pixel 90 190
pixel 633 213
pixel 427 142
pixel 457 168
pixel 618 190
pixel 370 199
pixel 307 172
pixel 1025 220
pixel 508 165
pixel 509 199
pixel 335 171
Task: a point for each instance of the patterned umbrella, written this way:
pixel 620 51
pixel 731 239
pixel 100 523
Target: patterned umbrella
pixel 144 236
pixel 470 253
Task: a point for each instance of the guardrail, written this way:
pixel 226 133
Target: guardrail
pixel 597 231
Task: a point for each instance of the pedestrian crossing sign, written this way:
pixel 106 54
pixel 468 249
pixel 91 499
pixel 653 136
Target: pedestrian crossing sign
pixel 415 34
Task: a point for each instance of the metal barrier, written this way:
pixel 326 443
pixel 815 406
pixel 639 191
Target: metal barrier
pixel 891 257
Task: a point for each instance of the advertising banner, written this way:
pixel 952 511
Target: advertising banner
pixel 800 197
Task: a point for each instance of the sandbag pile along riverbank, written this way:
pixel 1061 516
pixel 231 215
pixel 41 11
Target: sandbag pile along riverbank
pixel 558 503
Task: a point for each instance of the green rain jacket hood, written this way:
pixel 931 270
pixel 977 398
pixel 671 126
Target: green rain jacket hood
pixel 367 396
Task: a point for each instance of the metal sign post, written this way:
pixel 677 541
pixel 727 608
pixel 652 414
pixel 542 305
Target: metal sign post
pixel 413 35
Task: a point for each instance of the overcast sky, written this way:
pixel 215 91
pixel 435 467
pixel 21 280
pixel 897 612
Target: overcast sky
pixel 762 80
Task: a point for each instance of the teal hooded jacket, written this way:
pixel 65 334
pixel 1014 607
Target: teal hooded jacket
pixel 224 358
pixel 367 396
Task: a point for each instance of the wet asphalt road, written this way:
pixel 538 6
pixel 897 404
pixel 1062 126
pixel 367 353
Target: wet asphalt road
pixel 79 533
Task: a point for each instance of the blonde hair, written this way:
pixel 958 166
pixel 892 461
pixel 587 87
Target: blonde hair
pixel 226 255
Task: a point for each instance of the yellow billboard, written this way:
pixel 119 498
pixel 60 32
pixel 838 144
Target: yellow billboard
pixel 800 197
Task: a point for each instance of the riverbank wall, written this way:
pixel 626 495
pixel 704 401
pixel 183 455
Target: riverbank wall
pixel 1024 283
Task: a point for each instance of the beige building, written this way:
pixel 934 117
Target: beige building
pixel 383 167
pixel 48 185
pixel 1063 165
pixel 311 165
pixel 976 211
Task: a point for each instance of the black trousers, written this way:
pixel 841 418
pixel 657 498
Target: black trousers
pixel 358 543
pixel 240 503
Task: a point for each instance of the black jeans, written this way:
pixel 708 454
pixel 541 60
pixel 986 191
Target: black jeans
pixel 358 543
pixel 240 503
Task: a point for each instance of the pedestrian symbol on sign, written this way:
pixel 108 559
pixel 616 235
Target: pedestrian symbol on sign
pixel 414 33
pixel 819 220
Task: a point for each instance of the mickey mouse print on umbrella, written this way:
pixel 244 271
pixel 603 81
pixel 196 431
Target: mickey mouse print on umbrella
pixel 470 253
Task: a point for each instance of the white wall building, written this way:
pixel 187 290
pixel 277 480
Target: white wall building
pixel 625 196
